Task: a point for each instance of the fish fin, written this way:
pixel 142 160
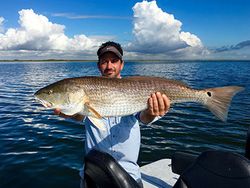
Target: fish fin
pixel 219 100
pixel 93 111
pixel 97 122
pixel 95 117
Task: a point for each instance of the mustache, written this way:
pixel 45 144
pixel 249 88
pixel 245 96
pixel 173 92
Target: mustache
pixel 107 70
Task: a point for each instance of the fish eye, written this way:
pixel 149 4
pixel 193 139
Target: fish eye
pixel 50 92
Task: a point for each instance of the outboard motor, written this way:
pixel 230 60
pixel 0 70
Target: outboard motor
pixel 103 171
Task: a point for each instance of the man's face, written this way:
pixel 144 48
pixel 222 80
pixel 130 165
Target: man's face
pixel 110 65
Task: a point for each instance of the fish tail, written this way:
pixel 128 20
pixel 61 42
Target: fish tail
pixel 219 99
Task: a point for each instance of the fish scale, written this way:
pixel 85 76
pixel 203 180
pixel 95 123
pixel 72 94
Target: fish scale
pixel 105 97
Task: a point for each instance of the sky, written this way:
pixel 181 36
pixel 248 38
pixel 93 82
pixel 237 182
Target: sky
pixel 160 29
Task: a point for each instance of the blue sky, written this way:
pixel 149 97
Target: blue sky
pixel 161 29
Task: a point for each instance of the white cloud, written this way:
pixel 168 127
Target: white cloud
pixel 37 33
pixel 238 51
pixel 158 32
pixel 156 35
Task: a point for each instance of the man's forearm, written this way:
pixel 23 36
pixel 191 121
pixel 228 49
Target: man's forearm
pixel 146 118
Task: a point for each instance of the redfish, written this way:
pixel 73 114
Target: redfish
pixel 98 97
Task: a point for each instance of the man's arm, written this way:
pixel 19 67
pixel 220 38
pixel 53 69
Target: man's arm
pixel 158 105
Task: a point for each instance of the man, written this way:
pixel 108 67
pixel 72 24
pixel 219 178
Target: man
pixel 121 137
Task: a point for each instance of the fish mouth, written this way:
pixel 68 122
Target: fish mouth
pixel 46 104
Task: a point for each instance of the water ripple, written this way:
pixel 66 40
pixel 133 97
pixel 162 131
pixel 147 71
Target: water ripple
pixel 37 145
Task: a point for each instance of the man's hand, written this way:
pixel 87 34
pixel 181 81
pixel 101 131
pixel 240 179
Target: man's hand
pixel 158 105
pixel 77 117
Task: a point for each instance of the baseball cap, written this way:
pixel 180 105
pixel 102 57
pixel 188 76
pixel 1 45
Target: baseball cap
pixel 109 49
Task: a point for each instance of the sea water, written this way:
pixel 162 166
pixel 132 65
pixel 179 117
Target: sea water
pixel 40 149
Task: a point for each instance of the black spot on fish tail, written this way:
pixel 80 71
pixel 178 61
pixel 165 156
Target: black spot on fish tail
pixel 209 93
pixel 219 100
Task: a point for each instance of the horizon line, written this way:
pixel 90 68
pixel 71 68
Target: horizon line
pixel 141 60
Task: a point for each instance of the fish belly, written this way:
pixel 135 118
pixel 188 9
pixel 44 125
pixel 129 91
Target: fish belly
pixel 118 103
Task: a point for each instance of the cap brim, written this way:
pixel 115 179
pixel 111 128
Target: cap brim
pixel 110 49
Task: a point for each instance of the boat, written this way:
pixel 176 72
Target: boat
pixel 210 169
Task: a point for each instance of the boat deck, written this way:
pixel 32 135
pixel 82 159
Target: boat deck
pixel 158 174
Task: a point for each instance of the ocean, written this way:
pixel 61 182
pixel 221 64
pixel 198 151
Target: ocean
pixel 39 149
